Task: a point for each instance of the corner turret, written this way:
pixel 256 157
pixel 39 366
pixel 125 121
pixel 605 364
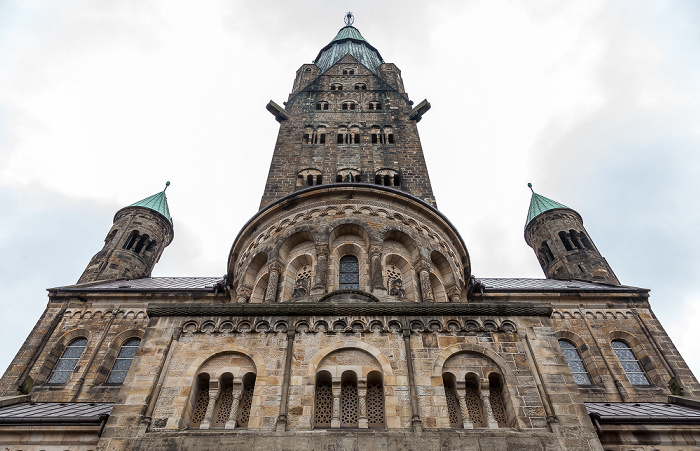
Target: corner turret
pixel 134 244
pixel 563 247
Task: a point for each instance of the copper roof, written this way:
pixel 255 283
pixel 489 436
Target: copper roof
pixel 56 412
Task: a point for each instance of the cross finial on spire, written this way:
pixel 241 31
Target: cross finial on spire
pixel 167 184
pixel 529 185
pixel 349 19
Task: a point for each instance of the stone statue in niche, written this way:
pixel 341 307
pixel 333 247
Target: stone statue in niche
pixel 397 289
pixel 303 279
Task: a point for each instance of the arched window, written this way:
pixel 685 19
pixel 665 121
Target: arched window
pixel 348 400
pixel 201 400
pixel 302 282
pixel 246 402
pixel 323 402
pixel 349 105
pixel 476 413
pixel 110 237
pixel 349 273
pixel 348 176
pixel 142 242
pixel 349 71
pixel 586 242
pixel 387 177
pixel 322 105
pixel 573 358
pixel 349 136
pixel 388 134
pixel 575 239
pixel 496 399
pixel 453 409
pixel 123 361
pixel 131 240
pixel 629 363
pixel 374 105
pixel 360 86
pixel 309 177
pixel 66 364
pixel 336 87
pixel 564 237
pixel 314 136
pixel 375 400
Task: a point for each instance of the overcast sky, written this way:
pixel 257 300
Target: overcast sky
pixel 597 103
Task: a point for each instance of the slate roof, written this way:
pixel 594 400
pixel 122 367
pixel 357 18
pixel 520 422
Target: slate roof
pixel 206 284
pixel 55 412
pixel 635 412
pixel 349 40
pixel 550 285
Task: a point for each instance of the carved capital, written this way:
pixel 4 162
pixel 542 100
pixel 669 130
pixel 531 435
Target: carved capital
pixel 422 266
pixel 322 250
pixel 275 266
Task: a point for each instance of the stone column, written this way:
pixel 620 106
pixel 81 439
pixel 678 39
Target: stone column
pixel 213 392
pixel 423 269
pixel 485 397
pixel 416 422
pixel 362 404
pixel 274 268
pixel 282 418
pixel 243 294
pixel 466 418
pixel 236 392
pixel 335 422
pixel 321 269
pixel 375 258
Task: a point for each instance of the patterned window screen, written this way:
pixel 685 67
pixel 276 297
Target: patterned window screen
pixel 66 364
pixel 629 363
pixel 573 358
pixel 123 361
pixel 349 273
pixel 324 404
pixel 375 405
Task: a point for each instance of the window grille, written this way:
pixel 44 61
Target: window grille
pixel 348 405
pixel 629 363
pixel 496 398
pixel 66 364
pixel 225 402
pixel 123 361
pixel 474 406
pixel 303 279
pixel 200 406
pixel 375 405
pixel 349 273
pixel 244 408
pixel 394 282
pixel 324 405
pixel 573 358
pixel 453 408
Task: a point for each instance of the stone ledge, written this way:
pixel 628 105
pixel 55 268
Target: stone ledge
pixel 360 309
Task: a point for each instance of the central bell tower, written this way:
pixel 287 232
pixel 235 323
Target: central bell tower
pixel 348 120
pixel 348 212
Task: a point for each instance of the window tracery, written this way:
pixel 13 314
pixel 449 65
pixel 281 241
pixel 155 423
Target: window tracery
pixel 395 282
pixel 302 282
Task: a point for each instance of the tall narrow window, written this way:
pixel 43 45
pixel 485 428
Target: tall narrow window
pixel 323 403
pixel 66 364
pixel 123 361
pixel 564 237
pixel 360 86
pixel 246 400
pixel 573 358
pixel 348 400
pixel 496 398
pixel 453 409
pixel 474 403
pixel 201 401
pixel 133 237
pixel 349 273
pixel 629 363
pixel 375 400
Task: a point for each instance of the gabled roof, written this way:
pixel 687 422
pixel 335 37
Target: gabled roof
pixel 540 204
pixel 349 40
pixel 157 202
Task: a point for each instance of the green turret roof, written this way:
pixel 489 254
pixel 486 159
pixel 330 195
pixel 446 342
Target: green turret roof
pixel 157 202
pixel 540 204
pixel 349 41
pixel 349 32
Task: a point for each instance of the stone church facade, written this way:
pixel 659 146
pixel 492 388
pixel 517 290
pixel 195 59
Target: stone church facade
pixel 349 317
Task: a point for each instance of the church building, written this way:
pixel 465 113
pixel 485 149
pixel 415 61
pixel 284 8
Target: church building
pixel 348 317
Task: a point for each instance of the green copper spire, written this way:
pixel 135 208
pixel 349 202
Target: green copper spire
pixel 157 202
pixel 540 204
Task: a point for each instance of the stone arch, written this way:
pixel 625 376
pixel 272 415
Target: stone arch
pixel 303 262
pixel 292 241
pixel 349 238
pixel 586 353
pixel 392 263
pixel 57 351
pixel 444 269
pixel 642 353
pixel 382 361
pixel 252 272
pixel 409 245
pixel 112 351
